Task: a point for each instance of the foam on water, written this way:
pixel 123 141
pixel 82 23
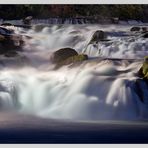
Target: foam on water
pixel 93 90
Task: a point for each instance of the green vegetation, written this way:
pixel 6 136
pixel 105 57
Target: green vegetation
pixel 143 72
pixel 145 67
pixel 123 12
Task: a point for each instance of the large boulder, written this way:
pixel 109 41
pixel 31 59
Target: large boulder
pixel 99 35
pixel 135 28
pixel 62 54
pixel 9 42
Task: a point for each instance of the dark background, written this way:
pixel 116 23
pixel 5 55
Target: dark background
pixel 123 12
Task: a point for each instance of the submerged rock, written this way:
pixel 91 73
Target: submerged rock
pixel 38 27
pixel 63 54
pixel 135 28
pixel 99 35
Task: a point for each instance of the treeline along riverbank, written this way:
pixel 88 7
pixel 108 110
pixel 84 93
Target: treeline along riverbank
pixel 123 12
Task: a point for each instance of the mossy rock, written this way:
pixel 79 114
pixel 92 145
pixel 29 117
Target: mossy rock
pixel 63 54
pixel 73 59
pixel 77 58
pixel 143 72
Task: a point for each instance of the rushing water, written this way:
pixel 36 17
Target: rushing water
pixel 93 90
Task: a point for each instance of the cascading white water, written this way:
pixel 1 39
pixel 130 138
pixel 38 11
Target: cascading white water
pixel 93 90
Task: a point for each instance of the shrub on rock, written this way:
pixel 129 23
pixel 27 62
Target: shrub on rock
pixel 143 72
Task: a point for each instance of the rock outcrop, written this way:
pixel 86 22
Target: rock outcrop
pixel 67 56
pixel 99 35
pixel 62 54
pixel 135 28
pixel 9 42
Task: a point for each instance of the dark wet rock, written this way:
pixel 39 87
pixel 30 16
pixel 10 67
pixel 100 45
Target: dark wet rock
pixel 99 35
pixel 63 54
pixel 6 24
pixel 135 29
pixel 145 35
pixel 27 20
pixel 138 89
pixel 144 29
pixel 9 42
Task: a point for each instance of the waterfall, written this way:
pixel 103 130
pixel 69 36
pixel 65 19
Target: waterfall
pixel 93 90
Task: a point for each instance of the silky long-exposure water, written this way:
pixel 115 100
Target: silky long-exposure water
pixel 102 88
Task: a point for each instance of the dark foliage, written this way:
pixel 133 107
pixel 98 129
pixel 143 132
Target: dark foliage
pixel 123 12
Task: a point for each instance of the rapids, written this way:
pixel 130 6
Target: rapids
pixel 97 89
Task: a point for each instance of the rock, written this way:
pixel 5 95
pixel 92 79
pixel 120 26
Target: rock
pixel 6 24
pixel 143 72
pixel 74 59
pixel 2 38
pixel 99 35
pixel 115 20
pixel 62 54
pixel 9 42
pixel 11 54
pixel 38 27
pixel 27 20
pixel 4 31
pixel 144 29
pixel 135 29
pixel 145 35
